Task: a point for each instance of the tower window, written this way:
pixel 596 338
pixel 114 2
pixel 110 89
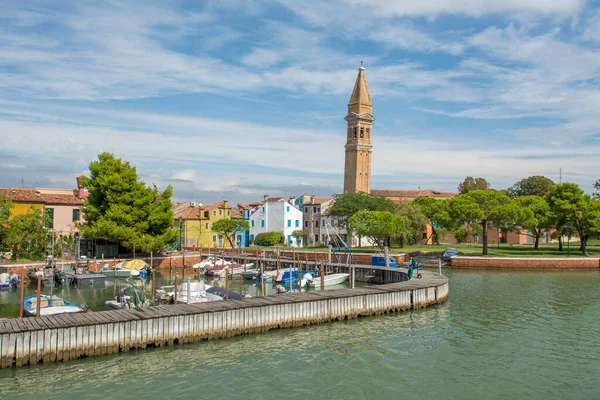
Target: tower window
pixel 362 132
pixel 355 131
pixel 368 132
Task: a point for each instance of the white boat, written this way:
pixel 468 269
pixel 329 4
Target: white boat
pixel 210 262
pixel 198 293
pixel 49 305
pixel 232 269
pixel 333 279
pixel 119 272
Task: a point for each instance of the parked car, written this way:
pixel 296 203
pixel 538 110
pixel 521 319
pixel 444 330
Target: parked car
pixel 449 253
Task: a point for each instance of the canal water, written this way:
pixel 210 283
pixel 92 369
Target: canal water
pixel 501 335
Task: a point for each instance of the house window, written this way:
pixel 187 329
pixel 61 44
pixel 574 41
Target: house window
pixel 252 238
pixel 297 223
pixel 262 223
pixel 206 225
pixel 316 224
pixel 289 238
pixel 263 209
pixel 220 212
pixel 314 209
pixel 75 214
pixel 287 208
pixel 305 210
pixel 214 238
pixel 368 131
pixel 253 223
pixel 306 224
pixel 316 238
pixel 362 132
pixel 50 214
pixel 289 223
pixel 214 213
pixel 228 212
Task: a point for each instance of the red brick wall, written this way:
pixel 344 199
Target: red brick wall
pixel 526 263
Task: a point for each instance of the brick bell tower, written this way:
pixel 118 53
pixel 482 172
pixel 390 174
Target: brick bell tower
pixel 357 169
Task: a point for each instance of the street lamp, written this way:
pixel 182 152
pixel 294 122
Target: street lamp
pixel 180 233
pixel 568 223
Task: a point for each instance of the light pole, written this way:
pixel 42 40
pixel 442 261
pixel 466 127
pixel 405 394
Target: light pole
pixel 180 233
pixel 568 223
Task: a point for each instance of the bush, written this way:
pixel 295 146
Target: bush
pixel 269 239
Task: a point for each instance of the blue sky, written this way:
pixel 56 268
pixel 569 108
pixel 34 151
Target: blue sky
pixel 235 99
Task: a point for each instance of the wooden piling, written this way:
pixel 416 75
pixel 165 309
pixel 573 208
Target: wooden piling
pixel 175 295
pixel 22 293
pixel 38 294
pixel 226 284
pixel 299 274
pixel 241 287
pixel 153 287
pixel 322 276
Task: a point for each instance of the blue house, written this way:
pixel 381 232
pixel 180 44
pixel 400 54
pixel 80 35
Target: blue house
pixel 242 238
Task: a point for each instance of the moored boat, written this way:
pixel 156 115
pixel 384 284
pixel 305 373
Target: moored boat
pixel 332 279
pixel 49 305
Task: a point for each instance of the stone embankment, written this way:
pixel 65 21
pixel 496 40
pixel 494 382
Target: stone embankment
pixel 525 262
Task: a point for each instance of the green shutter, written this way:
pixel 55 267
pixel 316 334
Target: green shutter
pixel 75 214
pixel 50 221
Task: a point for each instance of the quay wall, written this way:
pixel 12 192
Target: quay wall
pixel 525 263
pixel 29 341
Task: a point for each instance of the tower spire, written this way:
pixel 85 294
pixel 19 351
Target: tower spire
pixel 360 101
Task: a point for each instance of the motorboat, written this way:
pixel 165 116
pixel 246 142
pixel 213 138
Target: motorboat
pixel 250 274
pixel 332 279
pixel 127 269
pixel 210 262
pixel 49 305
pixel 118 272
pixel 129 297
pixel 198 293
pixel 82 276
pixel 234 269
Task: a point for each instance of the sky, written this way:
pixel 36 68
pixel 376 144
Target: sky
pixel 234 99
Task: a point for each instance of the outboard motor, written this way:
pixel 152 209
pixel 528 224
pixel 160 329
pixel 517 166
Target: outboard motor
pixel 58 277
pixel 14 281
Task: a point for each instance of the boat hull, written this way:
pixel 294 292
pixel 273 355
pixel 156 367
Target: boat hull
pixel 333 279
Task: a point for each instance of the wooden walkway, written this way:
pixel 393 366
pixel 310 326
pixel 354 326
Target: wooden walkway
pixel 66 337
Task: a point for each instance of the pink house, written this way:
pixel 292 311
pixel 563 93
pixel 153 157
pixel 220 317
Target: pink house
pixel 64 207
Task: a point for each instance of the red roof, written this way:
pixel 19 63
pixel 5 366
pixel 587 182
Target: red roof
pixel 23 195
pixel 63 199
pixel 413 194
pixel 189 213
pixel 177 205
pixel 236 213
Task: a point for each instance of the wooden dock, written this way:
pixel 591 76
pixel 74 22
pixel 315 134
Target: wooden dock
pixel 70 336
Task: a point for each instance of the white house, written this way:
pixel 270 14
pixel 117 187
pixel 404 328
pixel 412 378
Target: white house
pixel 276 215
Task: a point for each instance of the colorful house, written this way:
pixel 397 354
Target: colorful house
pixel 276 215
pixel 194 221
pixel 24 200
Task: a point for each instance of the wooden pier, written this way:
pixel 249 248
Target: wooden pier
pixel 70 336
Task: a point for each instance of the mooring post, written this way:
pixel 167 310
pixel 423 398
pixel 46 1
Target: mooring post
pixel 189 291
pixel 322 275
pixel 262 278
pixel 198 271
pixel 439 266
pixel 38 294
pixel 101 264
pixel 353 276
pixel 386 254
pixel 153 286
pixel 22 295
pixel 299 275
pixel 241 288
pixel 170 263
pixel 152 260
pixel 329 254
pixel 226 284
pixel 175 295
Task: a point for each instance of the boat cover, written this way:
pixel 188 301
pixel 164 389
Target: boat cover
pixel 136 265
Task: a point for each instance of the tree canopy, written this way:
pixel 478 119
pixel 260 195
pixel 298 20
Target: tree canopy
pixel 471 183
pixel 597 187
pixel 536 185
pixel 269 239
pixel 123 210
pixel 415 222
pixel 5 207
pixel 575 209
pixel 436 213
pixel 26 234
pixel 348 204
pixel 228 228
pixel 380 227
pixel 535 216
pixel 487 208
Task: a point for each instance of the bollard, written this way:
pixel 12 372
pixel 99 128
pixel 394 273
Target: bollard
pixel 439 266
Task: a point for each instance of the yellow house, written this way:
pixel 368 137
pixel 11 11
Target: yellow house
pixel 195 221
pixel 24 200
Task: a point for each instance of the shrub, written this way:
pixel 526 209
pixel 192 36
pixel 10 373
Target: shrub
pixel 269 239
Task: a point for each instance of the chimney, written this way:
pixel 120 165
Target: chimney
pixel 81 192
pixel 266 197
pixel 225 204
pixel 292 198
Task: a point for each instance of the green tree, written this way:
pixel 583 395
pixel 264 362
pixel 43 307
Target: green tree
pixel 415 222
pixel 436 213
pixel 300 234
pixel 26 234
pixel 573 208
pixel 380 227
pixel 471 183
pixel 535 216
pixel 347 204
pixel 229 227
pixel 269 239
pixel 487 208
pixel 122 209
pixel 5 207
pixel 597 187
pixel 536 185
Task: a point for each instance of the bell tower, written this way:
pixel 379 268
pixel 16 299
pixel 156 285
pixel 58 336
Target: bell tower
pixel 357 169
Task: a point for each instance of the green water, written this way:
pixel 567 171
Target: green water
pixel 502 335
